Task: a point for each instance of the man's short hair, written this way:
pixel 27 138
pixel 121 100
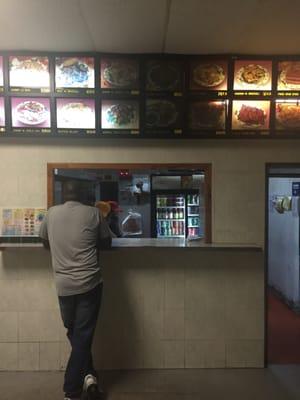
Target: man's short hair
pixel 73 191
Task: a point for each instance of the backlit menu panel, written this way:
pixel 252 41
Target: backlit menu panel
pixel 207 115
pixel 251 115
pixel 209 75
pixel 75 115
pixel 75 75
pixel 252 76
pixel 29 74
pixel 287 115
pixel 120 116
pixel 119 75
pixel 30 115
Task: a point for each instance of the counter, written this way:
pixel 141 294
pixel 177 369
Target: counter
pixel 150 242
pixel 166 304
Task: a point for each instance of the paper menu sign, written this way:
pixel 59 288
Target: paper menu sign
pixel 1 71
pixel 21 221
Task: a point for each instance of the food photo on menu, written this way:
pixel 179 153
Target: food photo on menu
pixel 250 115
pixel 252 75
pixel 119 73
pixel 74 72
pixel 161 113
pixel 288 75
pixel 30 112
pixel 208 75
pixel 75 113
pixel 2 112
pixel 120 114
pixel 31 72
pixel 163 75
pixel 287 115
pixel 207 115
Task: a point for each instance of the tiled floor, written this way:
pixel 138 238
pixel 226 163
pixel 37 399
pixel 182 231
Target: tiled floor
pixel 275 383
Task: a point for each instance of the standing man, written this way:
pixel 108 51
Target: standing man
pixel 75 233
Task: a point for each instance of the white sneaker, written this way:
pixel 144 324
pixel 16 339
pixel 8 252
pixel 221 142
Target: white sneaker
pixel 90 381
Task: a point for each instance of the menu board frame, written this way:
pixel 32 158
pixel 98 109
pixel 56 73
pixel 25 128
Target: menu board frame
pixel 184 97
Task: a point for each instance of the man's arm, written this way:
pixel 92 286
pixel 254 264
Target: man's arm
pixel 46 244
pixel 104 237
pixel 43 234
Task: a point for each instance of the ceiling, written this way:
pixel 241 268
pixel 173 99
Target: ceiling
pixel 142 26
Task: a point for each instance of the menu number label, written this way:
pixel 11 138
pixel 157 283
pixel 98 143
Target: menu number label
pixel 288 94
pixel 252 93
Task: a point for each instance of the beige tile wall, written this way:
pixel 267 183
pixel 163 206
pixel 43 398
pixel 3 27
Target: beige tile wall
pixel 165 299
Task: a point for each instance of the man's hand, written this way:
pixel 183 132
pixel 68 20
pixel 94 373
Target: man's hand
pixel 104 243
pixel 46 244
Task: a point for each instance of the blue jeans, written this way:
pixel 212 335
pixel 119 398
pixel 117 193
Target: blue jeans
pixel 79 314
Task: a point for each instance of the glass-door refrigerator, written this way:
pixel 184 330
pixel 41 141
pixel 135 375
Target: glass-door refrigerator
pixel 170 215
pixel 176 215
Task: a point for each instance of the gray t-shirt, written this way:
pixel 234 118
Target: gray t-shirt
pixel 73 231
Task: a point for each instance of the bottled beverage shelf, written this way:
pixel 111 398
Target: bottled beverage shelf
pixel 170 219
pixel 170 236
pixel 169 206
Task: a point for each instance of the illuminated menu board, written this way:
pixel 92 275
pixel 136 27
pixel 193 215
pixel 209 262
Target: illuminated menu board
pixel 163 115
pixel 288 79
pixel 1 74
pixel 75 75
pixel 28 74
pixel 119 75
pixel 164 76
pixel 287 115
pixel 2 115
pixel 252 76
pixel 75 115
pixel 209 75
pixel 250 115
pixel 120 116
pixel 207 116
pixel 30 115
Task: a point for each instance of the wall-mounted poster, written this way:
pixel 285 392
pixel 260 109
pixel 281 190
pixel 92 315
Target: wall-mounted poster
pixel 252 75
pixel 250 115
pixel 119 74
pixel 287 115
pixel 29 74
pixel 30 115
pixel 73 73
pixel 1 73
pixel 164 76
pixel 120 115
pixel 75 115
pixel 163 115
pixel 208 74
pixel 288 75
pixel 207 115
pixel 2 115
pixel 21 221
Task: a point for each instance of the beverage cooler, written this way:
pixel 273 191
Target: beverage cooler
pixel 175 215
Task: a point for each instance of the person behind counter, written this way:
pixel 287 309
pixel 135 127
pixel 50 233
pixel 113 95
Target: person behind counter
pixel 109 210
pixel 74 233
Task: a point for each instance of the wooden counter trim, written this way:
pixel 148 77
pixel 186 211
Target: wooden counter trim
pixel 206 168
